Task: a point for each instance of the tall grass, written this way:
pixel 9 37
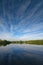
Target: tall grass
pixel 5 42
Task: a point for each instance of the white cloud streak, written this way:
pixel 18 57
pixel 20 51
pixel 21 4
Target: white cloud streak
pixel 31 36
pixel 33 22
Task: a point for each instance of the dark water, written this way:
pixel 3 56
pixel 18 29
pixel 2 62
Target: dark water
pixel 21 54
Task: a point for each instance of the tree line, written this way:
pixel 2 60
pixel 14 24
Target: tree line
pixel 5 42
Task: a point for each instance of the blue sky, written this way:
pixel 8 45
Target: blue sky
pixel 21 19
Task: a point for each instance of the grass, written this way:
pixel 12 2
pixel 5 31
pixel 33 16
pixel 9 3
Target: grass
pixel 38 42
pixel 5 42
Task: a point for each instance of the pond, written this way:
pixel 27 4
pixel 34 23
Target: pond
pixel 21 54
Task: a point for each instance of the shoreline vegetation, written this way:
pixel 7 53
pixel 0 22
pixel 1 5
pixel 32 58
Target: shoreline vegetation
pixel 36 42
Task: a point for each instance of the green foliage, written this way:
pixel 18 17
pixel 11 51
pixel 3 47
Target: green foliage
pixel 38 42
pixel 5 42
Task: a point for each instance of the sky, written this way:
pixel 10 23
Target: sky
pixel 21 19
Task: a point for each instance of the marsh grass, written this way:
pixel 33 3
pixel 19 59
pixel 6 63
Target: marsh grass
pixel 5 42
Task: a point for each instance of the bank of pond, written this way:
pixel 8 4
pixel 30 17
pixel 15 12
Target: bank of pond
pixel 5 42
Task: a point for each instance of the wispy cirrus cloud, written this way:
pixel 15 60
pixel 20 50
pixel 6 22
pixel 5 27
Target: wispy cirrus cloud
pixel 21 19
pixel 31 36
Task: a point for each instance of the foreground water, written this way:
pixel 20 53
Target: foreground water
pixel 21 54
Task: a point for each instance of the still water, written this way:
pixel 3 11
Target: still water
pixel 21 54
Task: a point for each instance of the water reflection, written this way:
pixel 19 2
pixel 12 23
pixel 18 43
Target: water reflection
pixel 21 54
